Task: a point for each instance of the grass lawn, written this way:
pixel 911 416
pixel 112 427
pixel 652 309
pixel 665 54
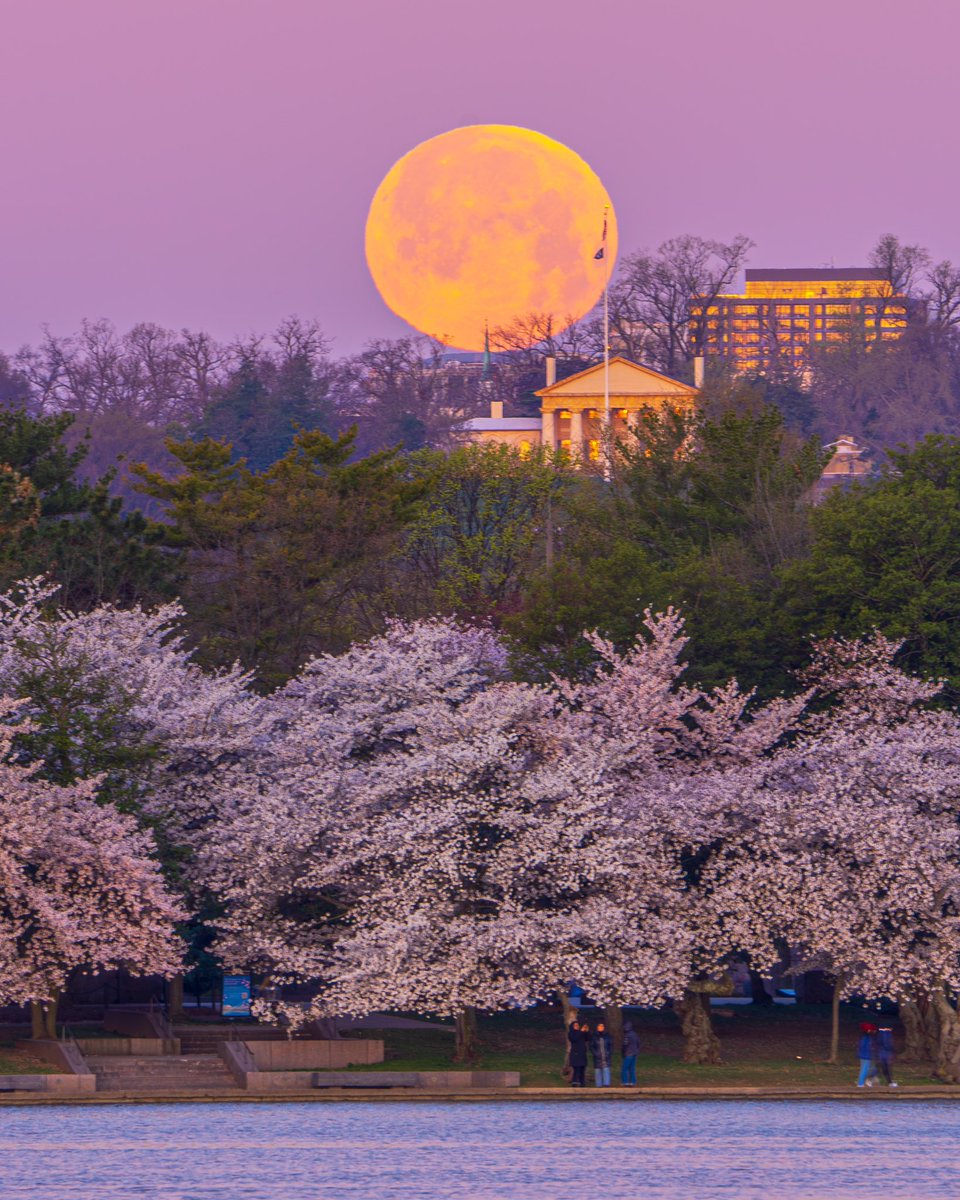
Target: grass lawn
pixel 19 1062
pixel 761 1046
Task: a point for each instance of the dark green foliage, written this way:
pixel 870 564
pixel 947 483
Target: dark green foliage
pixel 75 533
pixel 886 555
pixel 81 722
pixel 480 529
pixel 286 562
pixel 270 393
pixel 701 513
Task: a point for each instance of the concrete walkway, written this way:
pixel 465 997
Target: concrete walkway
pixel 484 1095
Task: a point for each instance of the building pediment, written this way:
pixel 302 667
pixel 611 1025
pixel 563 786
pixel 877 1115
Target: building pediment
pixel 628 380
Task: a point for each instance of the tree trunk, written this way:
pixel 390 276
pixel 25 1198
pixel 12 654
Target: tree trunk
pixel 43 1018
pixel 50 1017
pixel 931 1029
pixel 38 1027
pixel 466 1035
pixel 914 1027
pixel 761 997
pixel 613 1018
pixel 175 998
pixel 570 1013
pixel 947 1066
pixel 700 1044
pixel 835 1021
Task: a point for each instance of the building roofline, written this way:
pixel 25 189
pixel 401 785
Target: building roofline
pixel 617 358
pixel 812 274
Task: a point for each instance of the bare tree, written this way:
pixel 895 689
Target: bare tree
pixel 402 393
pixel 902 265
pixel 659 303
pixel 524 344
pixel 942 297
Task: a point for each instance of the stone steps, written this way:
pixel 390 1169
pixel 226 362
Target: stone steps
pixel 167 1073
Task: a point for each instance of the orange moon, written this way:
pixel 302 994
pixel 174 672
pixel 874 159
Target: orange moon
pixel 489 223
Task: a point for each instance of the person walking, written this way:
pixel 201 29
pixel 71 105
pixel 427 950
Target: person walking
pixel 630 1050
pixel 866 1049
pixel 577 1037
pixel 602 1047
pixel 884 1050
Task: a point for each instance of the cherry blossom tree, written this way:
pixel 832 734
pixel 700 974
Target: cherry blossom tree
pixel 79 888
pixel 521 873
pixel 321 746
pixel 114 693
pixel 846 845
pixel 678 758
pixel 436 839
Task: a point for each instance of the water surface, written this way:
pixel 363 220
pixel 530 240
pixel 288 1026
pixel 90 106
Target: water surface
pixel 614 1150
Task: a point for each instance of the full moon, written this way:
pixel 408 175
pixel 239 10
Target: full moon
pixel 487 224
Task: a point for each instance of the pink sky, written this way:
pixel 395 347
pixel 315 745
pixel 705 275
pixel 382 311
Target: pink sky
pixel 209 163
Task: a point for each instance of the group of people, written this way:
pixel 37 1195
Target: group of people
pixel 875 1051
pixel 599 1043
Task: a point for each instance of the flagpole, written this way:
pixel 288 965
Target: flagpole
pixel 606 348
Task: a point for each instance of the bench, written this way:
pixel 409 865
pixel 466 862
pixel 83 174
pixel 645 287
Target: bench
pixel 365 1079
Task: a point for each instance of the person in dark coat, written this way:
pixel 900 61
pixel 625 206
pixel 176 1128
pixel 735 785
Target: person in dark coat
pixel 883 1045
pixel 866 1049
pixel 601 1045
pixel 577 1037
pixel 631 1048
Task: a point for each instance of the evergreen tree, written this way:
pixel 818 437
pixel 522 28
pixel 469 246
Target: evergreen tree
pixel 75 533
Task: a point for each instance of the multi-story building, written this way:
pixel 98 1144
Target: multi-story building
pixel 783 313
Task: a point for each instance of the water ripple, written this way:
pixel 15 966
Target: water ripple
pixel 399 1151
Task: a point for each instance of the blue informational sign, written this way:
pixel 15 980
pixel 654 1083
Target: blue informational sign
pixel 236 996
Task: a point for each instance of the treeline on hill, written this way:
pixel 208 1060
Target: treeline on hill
pixel 129 391
pixel 297 502
pixel 324 546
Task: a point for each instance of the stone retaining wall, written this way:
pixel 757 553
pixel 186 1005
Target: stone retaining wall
pixel 61 1085
pixel 314 1055
pixel 457 1080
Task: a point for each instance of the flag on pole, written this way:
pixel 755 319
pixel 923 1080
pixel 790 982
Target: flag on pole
pixel 602 252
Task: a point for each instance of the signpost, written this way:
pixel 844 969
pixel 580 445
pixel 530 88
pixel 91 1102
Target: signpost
pixel 236 996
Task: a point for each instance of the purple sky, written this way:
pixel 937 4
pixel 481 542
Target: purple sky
pixel 209 163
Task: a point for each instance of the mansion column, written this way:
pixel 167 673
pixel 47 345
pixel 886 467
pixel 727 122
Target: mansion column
pixel 548 429
pixel 576 435
pixel 632 420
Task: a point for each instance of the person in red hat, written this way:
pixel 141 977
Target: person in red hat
pixel 866 1051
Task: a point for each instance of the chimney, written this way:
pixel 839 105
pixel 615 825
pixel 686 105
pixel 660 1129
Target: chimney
pixel 496 409
pixel 698 371
pixel 551 370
